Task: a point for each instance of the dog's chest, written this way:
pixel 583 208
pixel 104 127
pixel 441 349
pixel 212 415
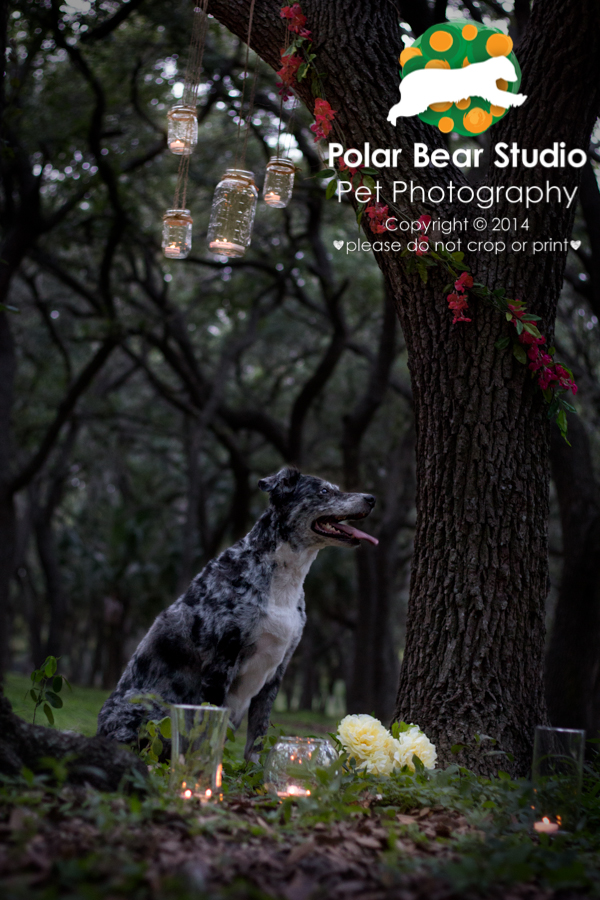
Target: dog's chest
pixel 277 630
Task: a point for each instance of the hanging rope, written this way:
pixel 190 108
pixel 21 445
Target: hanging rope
pixel 191 86
pixel 240 158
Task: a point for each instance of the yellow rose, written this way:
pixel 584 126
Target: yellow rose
pixel 414 743
pixel 372 746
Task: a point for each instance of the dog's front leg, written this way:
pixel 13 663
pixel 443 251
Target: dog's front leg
pixel 260 713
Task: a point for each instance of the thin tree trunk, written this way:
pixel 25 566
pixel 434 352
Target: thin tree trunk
pixel 573 656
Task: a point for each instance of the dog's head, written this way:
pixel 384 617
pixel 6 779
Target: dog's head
pixel 504 68
pixel 313 512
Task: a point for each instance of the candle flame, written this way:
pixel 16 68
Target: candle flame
pixel 187 794
pixel 208 792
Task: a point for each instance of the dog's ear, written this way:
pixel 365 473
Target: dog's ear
pixel 281 486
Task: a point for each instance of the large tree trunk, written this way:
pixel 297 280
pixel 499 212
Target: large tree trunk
pixel 475 628
pixel 573 656
pixel 96 761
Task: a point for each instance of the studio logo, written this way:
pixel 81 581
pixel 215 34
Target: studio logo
pixel 460 76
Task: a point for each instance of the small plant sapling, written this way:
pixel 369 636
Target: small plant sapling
pixel 46 687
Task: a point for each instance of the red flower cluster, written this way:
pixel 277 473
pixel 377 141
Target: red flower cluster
pixel 549 373
pixel 344 168
pixel 457 301
pixel 423 239
pixel 287 73
pixel 324 116
pixel 297 19
pixel 378 215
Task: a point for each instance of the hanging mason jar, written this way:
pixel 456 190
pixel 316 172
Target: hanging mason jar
pixel 279 182
pixel 177 233
pixel 232 213
pixel 182 134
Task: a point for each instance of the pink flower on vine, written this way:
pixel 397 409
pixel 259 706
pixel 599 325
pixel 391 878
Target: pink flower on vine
pixel 378 215
pixel 297 20
pixel 463 282
pixel 422 245
pixel 457 302
pixel 352 169
pixel 424 222
pixel 324 116
pixel 290 65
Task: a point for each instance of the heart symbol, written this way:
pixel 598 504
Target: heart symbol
pixel 339 244
pixel 575 245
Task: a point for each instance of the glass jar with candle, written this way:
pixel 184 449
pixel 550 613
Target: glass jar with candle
pixel 291 766
pixel 177 233
pixel 198 735
pixel 557 773
pixel 232 213
pixel 182 134
pixel 279 182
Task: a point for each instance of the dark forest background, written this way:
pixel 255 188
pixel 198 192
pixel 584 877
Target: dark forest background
pixel 151 395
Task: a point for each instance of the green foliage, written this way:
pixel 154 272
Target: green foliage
pixel 46 687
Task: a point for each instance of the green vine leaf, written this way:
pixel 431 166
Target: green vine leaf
pixel 331 189
pixel 502 343
pixel 519 354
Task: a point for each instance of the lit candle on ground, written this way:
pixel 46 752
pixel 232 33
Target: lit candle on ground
pixel 177 146
pixel 294 791
pixel 272 198
pixel 546 826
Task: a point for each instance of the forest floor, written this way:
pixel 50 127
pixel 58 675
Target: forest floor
pixel 438 835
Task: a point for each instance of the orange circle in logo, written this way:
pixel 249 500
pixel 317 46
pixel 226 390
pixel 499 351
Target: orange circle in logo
pixel 440 41
pixel 440 107
pixel 499 45
pixel 470 32
pixel 477 120
pixel 437 64
pixel 464 104
pixel 446 124
pixel 409 53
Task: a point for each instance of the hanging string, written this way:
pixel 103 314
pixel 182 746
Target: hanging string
pixel 241 158
pixel 282 94
pixel 193 71
pixel 191 86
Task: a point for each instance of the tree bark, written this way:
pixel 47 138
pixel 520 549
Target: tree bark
pixel 573 656
pixel 475 627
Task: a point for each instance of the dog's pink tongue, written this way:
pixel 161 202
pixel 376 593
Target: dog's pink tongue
pixel 355 533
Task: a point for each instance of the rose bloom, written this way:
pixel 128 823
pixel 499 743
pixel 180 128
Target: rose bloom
pixel 371 745
pixel 414 743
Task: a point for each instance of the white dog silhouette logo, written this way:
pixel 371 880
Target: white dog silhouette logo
pixel 459 76
pixel 424 87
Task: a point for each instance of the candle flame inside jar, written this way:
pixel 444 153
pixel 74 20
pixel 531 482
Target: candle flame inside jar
pixel 546 826
pixel 294 791
pixel 176 145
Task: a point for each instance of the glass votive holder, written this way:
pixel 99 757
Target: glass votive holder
pixel 177 233
pixel 292 763
pixel 279 182
pixel 232 213
pixel 557 773
pixel 182 130
pixel 197 739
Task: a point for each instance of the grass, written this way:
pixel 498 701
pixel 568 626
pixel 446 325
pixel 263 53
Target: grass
pixel 82 705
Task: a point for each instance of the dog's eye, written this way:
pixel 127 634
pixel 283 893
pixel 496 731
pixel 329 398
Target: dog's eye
pixel 324 490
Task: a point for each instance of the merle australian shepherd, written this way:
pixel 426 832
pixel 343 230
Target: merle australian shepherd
pixel 229 638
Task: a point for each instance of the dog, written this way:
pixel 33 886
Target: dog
pixel 228 640
pixel 421 88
